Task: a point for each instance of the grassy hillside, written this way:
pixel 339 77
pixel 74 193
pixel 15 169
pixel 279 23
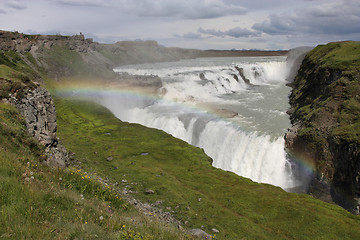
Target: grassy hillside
pixel 185 183
pixel 37 202
pixel 15 73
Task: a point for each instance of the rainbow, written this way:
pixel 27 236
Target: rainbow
pixel 304 163
pixel 92 90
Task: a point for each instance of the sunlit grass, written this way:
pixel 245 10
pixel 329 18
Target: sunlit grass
pixel 37 202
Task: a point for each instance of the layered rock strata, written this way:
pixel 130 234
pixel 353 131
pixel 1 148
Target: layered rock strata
pixel 325 111
pixel 37 107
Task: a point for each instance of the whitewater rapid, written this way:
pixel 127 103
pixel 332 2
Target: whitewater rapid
pixel 245 137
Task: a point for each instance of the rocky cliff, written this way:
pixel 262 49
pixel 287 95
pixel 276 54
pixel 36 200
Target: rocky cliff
pixel 37 107
pixel 325 114
pixel 63 56
pixel 19 74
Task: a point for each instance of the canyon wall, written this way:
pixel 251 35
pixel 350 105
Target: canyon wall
pixel 325 114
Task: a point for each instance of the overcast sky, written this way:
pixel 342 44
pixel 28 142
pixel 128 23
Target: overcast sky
pixel 201 24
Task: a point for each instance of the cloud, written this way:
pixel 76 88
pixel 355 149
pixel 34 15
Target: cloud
pixel 16 5
pixel 83 3
pixel 233 32
pixel 2 11
pixel 334 18
pixel 192 35
pixel 276 25
pixel 189 9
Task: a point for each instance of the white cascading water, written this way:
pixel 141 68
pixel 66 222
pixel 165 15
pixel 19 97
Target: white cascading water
pixel 250 144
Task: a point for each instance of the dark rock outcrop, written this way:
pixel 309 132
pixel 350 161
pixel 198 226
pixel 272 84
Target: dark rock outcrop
pixel 242 75
pixel 325 108
pixel 38 109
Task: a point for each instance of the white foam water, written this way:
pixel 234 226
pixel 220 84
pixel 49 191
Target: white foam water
pixel 250 144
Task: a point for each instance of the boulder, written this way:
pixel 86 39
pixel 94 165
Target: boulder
pixel 149 191
pixel 199 233
pixel 242 75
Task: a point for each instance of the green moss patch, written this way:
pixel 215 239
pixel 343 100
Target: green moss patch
pixel 326 91
pixel 338 55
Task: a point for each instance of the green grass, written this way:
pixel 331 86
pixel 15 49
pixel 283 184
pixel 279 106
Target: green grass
pixel 37 202
pixel 16 74
pixel 338 55
pixel 12 81
pixel 64 62
pixel 180 174
pixel 60 58
pixel 17 62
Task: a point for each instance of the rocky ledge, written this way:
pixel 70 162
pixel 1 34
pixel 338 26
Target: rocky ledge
pixel 37 107
pixel 325 111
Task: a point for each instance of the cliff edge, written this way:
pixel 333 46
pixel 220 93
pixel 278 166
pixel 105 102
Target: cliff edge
pixel 325 114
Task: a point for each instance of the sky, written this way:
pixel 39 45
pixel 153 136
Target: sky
pixel 198 24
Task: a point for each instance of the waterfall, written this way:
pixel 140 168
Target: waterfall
pixel 249 144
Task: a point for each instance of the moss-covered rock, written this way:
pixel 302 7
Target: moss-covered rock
pixel 325 108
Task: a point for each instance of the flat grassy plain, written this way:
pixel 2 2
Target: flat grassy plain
pixel 186 184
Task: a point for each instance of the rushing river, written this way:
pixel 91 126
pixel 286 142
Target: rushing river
pixel 233 108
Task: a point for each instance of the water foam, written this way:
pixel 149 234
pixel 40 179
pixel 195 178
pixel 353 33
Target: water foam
pixel 206 83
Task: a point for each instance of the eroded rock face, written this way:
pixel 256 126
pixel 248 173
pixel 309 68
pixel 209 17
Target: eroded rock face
pixel 242 75
pixel 22 43
pixel 37 107
pixel 323 132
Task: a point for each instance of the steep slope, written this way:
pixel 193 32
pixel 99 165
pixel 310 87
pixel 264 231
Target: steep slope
pixel 63 56
pixel 325 113
pixel 38 202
